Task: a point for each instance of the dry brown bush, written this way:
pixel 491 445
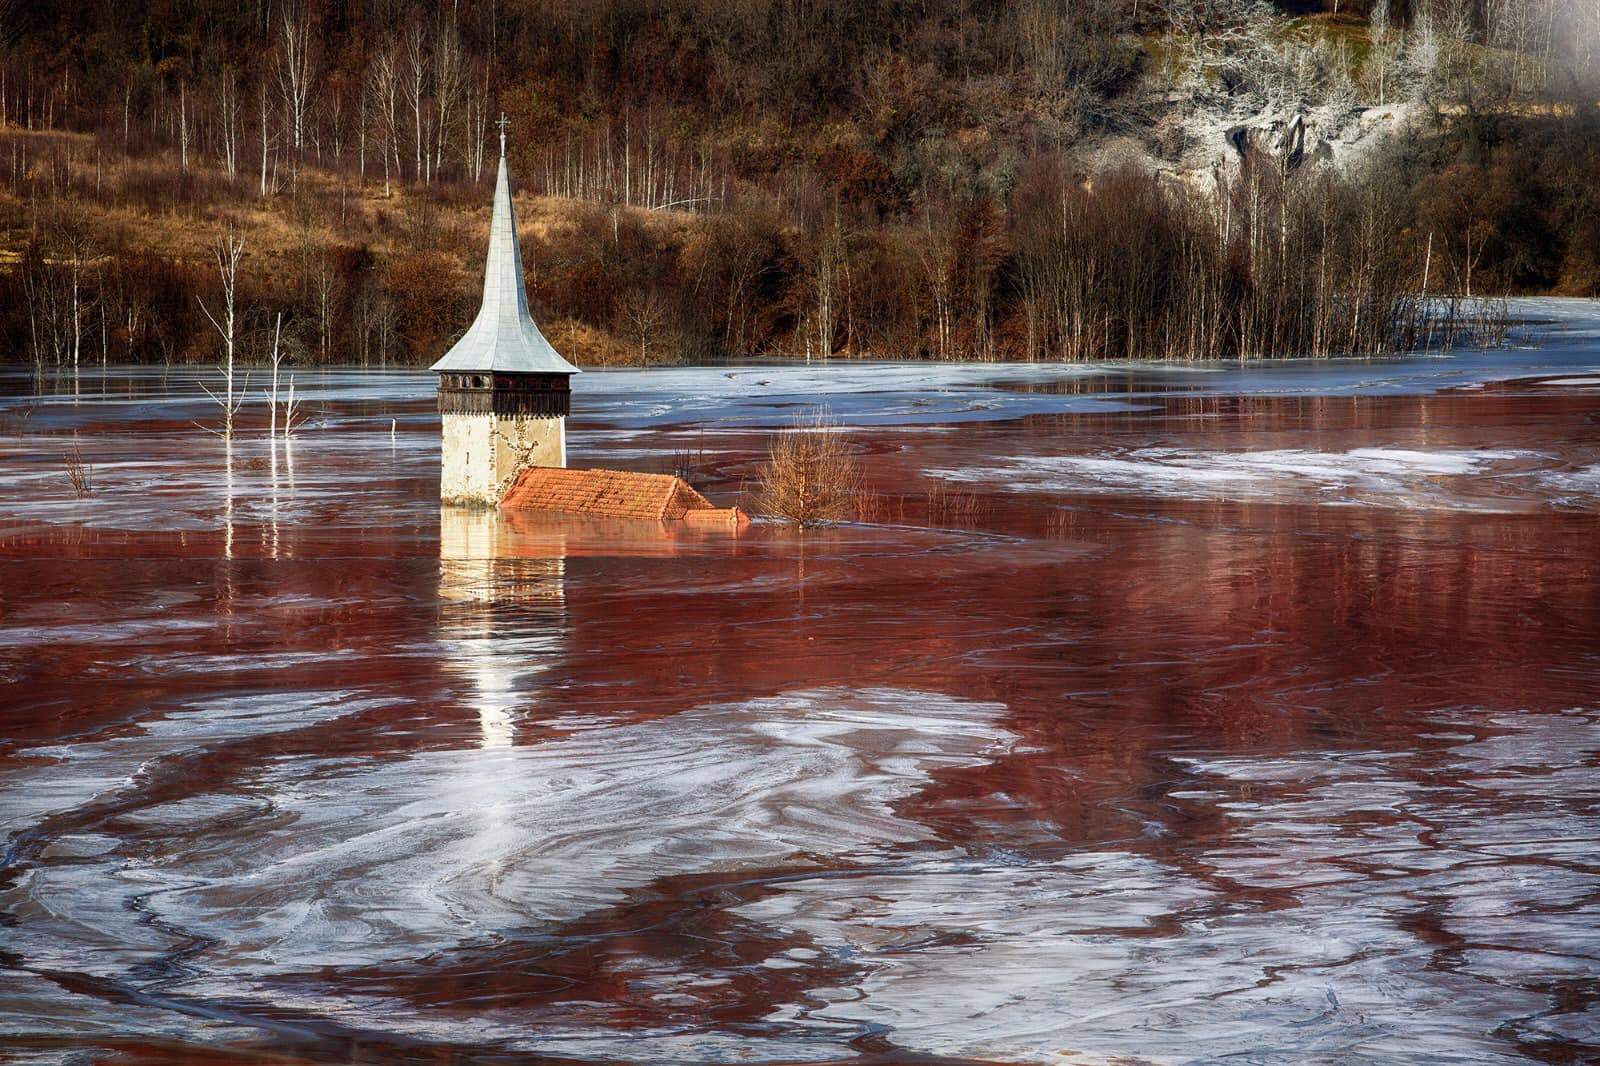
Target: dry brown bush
pixel 79 473
pixel 810 476
pixel 954 506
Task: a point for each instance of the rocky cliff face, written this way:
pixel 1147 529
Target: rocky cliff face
pixel 1302 138
pixel 1211 150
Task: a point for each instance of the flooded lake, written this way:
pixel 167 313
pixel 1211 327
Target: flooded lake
pixel 1164 714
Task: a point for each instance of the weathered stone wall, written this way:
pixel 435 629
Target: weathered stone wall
pixel 483 453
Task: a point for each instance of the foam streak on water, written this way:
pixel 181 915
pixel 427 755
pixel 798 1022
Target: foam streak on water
pixel 1376 476
pixel 351 866
pixel 1319 960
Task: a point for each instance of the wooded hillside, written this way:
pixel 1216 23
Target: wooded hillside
pixel 704 178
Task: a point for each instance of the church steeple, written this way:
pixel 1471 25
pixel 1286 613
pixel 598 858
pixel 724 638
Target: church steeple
pixel 504 392
pixel 504 337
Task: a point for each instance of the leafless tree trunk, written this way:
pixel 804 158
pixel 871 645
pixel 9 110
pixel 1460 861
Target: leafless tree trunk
pixel 38 292
pixel 295 60
pixel 335 113
pixel 72 243
pixel 384 324
pixel 383 82
pixel 183 125
pixel 937 256
pixel 448 81
pixel 266 139
pixel 277 362
pixel 643 315
pixel 416 88
pixel 228 251
pixel 363 118
pixel 323 285
pixel 228 120
pixel 825 282
pixel 476 104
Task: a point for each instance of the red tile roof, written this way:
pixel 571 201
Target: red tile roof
pixel 615 494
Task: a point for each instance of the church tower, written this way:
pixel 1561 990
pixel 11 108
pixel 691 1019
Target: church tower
pixel 504 392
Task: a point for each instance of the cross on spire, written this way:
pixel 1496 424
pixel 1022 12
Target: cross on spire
pixel 503 338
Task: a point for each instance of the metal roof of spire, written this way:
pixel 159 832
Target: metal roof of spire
pixel 503 337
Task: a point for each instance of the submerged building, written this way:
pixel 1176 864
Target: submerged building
pixel 504 392
pixel 504 397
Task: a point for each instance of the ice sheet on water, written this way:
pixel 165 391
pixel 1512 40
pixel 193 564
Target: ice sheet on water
pixel 1564 340
pixel 1026 963
pixel 58 932
pixel 176 392
pixel 72 774
pixel 1389 476
pixel 1574 487
pixel 50 1008
pixel 357 865
pixel 186 482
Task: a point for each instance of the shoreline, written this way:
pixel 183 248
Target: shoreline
pixel 1523 317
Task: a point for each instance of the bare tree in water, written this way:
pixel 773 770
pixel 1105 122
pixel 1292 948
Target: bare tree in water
pixel 810 477
pixel 228 251
pixel 72 240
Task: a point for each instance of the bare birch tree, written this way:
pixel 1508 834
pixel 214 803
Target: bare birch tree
pixel 228 251
pixel 296 65
pixel 57 285
pixel 449 81
pixel 937 254
pixel 266 139
pixel 477 101
pixel 228 120
pixel 183 124
pixel 277 362
pixel 383 86
pixel 414 53
pixel 825 270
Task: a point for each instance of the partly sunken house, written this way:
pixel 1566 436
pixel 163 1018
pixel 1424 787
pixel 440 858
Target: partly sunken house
pixel 504 397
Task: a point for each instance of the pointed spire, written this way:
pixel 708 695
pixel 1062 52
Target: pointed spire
pixel 504 337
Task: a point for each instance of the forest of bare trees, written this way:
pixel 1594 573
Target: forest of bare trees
pixel 948 180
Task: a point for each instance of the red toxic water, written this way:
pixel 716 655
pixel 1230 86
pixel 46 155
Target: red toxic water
pixel 1207 726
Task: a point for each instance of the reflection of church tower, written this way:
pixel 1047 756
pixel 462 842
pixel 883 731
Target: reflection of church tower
pixel 501 615
pixel 503 390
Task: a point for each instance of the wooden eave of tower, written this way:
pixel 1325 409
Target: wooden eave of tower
pixel 545 395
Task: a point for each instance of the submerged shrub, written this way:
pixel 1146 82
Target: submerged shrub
pixel 810 476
